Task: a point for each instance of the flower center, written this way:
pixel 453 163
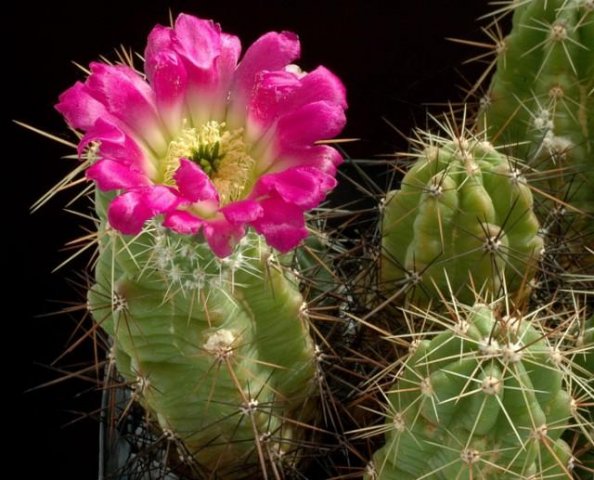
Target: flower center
pixel 220 153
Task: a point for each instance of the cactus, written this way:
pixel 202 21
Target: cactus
pixel 462 220
pixel 541 98
pixel 483 398
pixel 201 166
pixel 216 350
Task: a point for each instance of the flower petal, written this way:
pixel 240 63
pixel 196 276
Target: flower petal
pixel 197 40
pixel 198 43
pixel 193 183
pixel 159 40
pixel 321 84
pixel 244 211
pixel 323 157
pixel 115 144
pixel 280 92
pixel 271 51
pixel 302 186
pixel 128 97
pixel 169 80
pixel 295 132
pixel 182 222
pixel 271 90
pixel 112 175
pixel 222 236
pixel 79 107
pixel 226 64
pixel 310 123
pixel 227 61
pixel 281 223
pixel 129 211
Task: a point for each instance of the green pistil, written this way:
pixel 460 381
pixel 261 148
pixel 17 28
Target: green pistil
pixel 202 145
pixel 207 158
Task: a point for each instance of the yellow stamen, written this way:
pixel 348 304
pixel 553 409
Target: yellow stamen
pixel 236 167
pixel 221 154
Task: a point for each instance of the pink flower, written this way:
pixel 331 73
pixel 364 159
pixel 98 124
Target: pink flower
pixel 211 143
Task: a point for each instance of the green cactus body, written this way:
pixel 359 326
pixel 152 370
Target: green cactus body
pixel 482 399
pixel 217 351
pixel 541 99
pixel 461 220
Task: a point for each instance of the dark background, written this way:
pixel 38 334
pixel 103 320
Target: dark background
pixel 392 56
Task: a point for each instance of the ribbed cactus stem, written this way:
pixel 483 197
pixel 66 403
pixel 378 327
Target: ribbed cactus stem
pixel 541 99
pixel 217 351
pixel 461 223
pixel 483 398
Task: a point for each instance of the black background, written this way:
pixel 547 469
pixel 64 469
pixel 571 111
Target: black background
pixel 392 56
